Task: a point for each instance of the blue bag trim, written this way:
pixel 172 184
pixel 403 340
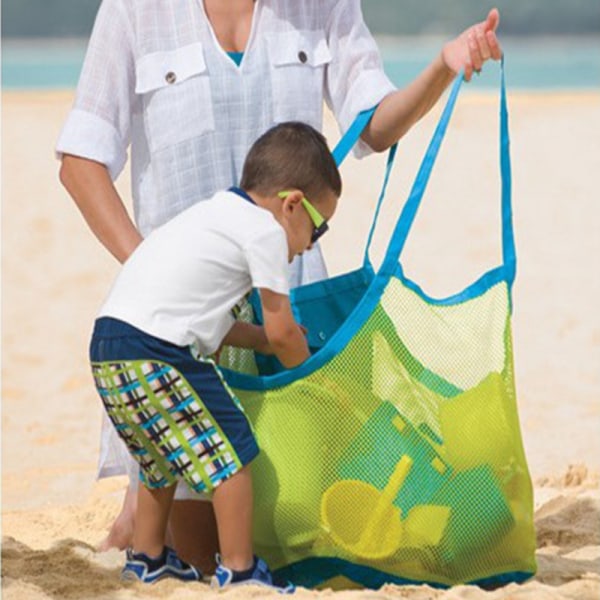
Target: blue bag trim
pixel 364 309
pixel 474 290
pixel 315 571
pixel 391 265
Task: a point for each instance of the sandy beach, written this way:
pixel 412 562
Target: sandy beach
pixel 55 275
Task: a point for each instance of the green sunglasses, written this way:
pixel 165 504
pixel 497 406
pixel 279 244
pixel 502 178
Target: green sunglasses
pixel 319 222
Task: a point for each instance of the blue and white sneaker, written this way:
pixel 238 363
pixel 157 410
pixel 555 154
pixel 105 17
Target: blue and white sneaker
pixel 140 567
pixel 258 574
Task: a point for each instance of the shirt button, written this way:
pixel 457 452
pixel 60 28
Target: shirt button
pixel 170 77
pixel 302 56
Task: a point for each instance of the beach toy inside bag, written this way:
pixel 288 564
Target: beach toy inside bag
pixel 363 520
pixel 446 510
pixel 382 500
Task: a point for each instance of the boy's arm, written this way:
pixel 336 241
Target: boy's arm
pixel 286 338
pixel 248 335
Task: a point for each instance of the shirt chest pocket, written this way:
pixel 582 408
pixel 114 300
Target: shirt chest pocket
pixel 298 68
pixel 176 96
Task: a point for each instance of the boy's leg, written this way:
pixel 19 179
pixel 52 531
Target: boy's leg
pixel 150 559
pixel 232 503
pixel 152 516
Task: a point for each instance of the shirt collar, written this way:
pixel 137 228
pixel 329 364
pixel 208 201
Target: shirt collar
pixel 240 192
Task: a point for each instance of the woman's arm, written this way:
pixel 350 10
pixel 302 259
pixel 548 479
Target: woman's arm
pixel 96 134
pixel 89 184
pixel 400 110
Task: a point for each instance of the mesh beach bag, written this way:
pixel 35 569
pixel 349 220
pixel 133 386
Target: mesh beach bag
pixel 394 455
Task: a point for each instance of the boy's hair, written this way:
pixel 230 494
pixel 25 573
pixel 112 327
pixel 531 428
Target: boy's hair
pixel 291 155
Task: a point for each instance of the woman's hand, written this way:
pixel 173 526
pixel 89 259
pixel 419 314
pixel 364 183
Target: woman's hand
pixel 401 109
pixel 474 46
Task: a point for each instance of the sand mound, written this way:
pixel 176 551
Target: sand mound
pixel 37 566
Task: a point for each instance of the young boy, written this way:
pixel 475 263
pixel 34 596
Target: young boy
pixel 171 307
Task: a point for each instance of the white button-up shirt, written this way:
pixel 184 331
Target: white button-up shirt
pixel 156 77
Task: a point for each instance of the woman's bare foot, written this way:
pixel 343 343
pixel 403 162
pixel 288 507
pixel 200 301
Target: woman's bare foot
pixel 120 534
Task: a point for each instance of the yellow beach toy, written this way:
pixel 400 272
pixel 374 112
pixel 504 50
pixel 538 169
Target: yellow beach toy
pixel 362 519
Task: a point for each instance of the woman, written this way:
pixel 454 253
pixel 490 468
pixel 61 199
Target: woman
pixel 190 86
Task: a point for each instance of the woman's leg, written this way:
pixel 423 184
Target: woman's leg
pixel 120 535
pixel 193 533
pixel 116 460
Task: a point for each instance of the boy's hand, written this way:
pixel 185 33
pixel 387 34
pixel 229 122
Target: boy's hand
pixel 247 335
pixel 266 348
pixel 286 337
pixel 263 346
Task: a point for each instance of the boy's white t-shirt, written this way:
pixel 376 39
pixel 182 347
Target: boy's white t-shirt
pixel 184 279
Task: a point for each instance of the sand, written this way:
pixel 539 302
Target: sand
pixel 54 276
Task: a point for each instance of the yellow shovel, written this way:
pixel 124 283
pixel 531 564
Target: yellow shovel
pixel 363 520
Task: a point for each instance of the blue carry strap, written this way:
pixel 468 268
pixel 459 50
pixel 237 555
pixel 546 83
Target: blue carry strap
pixel 410 209
pixel 509 254
pixel 351 136
pixel 386 178
pixel 343 149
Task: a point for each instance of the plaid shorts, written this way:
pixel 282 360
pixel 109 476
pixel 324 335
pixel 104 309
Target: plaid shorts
pixel 175 413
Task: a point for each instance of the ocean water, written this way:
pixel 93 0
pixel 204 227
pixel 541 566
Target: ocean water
pixel 552 63
pixel 538 64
